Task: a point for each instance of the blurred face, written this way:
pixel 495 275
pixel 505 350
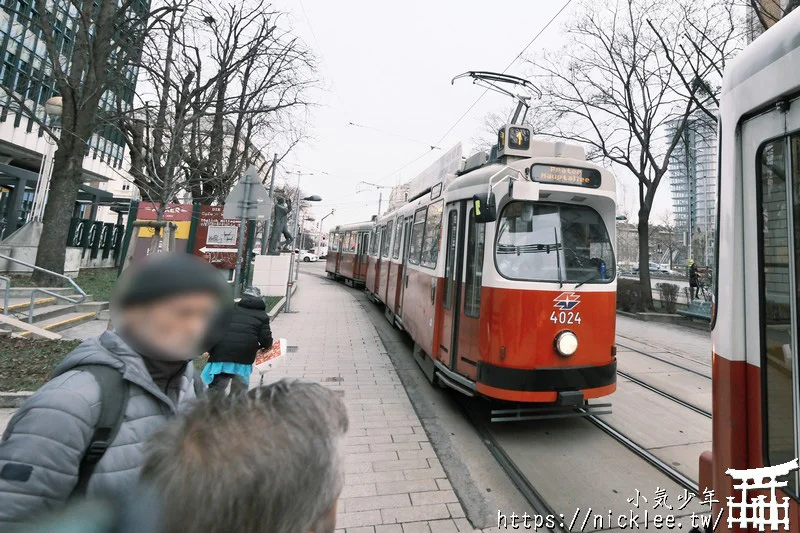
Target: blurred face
pixel 175 326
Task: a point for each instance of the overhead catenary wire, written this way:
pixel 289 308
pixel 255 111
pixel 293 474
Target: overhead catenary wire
pixel 480 97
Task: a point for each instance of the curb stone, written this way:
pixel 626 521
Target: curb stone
pixel 14 400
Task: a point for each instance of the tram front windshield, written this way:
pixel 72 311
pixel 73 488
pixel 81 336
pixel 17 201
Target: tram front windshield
pixel 553 242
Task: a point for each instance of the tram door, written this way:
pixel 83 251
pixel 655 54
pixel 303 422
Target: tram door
pixel 771 169
pixel 462 291
pixel 454 257
pixel 403 273
pixel 362 251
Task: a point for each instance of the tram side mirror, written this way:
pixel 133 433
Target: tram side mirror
pixel 484 208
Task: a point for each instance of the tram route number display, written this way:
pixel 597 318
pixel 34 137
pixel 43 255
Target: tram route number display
pixel 580 177
pixel 565 317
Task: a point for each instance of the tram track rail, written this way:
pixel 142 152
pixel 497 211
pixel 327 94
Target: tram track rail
pixel 642 452
pixel 665 394
pixel 518 478
pixel 667 361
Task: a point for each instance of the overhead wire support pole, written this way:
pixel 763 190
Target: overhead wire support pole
pixel 380 192
pixel 245 205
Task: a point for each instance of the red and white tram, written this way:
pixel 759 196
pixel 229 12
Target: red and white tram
pixel 348 253
pixel 756 384
pixel 504 274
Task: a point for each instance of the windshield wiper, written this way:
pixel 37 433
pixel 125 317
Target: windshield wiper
pixel 590 278
pixel 558 259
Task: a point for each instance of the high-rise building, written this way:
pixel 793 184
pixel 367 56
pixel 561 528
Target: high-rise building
pixel 762 14
pixel 693 184
pixel 24 71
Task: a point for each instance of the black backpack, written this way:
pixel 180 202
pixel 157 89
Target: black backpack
pixel 114 394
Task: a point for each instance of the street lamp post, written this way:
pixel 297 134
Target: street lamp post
pixel 319 240
pixel 53 107
pixel 314 198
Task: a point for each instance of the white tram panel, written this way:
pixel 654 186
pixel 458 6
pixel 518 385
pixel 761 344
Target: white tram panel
pixel 769 62
pixel 601 199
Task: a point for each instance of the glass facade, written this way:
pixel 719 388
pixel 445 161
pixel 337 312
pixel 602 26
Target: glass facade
pixel 26 71
pixel 693 184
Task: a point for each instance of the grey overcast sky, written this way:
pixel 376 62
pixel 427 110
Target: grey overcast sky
pixel 387 66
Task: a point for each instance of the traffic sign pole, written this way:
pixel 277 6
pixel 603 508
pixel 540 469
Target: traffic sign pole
pixel 245 204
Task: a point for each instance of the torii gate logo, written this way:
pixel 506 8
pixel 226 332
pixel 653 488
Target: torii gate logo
pixel 760 512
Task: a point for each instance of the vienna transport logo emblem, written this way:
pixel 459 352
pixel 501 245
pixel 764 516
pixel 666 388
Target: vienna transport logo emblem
pixel 567 301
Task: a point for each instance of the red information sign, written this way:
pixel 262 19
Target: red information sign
pixel 217 237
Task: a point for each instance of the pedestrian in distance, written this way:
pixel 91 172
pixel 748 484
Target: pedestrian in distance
pixel 231 360
pixel 82 433
pixel 268 460
pixel 694 280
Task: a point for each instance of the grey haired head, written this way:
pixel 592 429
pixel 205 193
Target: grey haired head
pixel 270 460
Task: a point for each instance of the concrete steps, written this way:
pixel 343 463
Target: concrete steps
pixel 61 322
pixel 49 313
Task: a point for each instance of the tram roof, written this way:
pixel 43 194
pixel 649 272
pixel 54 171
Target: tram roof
pixel 366 225
pixel 752 65
pixel 481 176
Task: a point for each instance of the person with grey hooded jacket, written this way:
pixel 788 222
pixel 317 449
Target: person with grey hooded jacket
pixel 163 309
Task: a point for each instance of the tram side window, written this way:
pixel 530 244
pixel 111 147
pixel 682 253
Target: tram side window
pixel 350 243
pixel 387 239
pixel 433 234
pixel 417 230
pixel 777 255
pixel 398 241
pixel 333 239
pixel 472 287
pixel 373 243
pixel 450 258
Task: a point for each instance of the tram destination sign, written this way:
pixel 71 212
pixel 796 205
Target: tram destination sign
pixel 579 177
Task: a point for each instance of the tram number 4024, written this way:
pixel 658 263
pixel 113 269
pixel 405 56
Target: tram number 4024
pixel 565 317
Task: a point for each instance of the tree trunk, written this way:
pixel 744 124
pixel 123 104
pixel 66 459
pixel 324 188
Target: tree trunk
pixel 644 259
pixel 64 185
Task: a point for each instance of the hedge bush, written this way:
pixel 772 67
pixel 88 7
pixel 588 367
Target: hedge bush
pixel 668 293
pixel 629 296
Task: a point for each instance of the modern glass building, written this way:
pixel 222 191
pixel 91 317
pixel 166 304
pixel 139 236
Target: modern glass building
pixel 25 72
pixel 693 184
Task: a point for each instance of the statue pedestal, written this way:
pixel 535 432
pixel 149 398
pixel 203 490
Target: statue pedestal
pixel 270 274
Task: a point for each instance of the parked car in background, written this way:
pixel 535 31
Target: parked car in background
pixel 306 256
pixel 654 268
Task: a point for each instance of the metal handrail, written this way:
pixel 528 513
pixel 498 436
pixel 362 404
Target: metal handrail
pixel 6 290
pixel 36 290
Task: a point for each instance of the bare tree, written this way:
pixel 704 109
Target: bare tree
pixel 713 33
pixel 613 89
pixel 90 48
pixel 208 112
pixel 265 73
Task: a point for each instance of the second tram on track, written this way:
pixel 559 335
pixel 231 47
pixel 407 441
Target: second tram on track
pixel 503 274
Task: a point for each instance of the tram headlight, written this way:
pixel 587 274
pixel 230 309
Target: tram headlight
pixel 566 343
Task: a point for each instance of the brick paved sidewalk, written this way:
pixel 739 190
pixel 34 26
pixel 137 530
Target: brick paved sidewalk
pixel 395 483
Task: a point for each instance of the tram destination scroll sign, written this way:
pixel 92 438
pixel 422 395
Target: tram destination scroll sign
pixel 579 177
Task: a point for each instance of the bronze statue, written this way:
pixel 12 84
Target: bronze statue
pixel 280 216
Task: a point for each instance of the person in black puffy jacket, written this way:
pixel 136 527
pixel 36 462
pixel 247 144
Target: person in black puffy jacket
pixel 231 359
